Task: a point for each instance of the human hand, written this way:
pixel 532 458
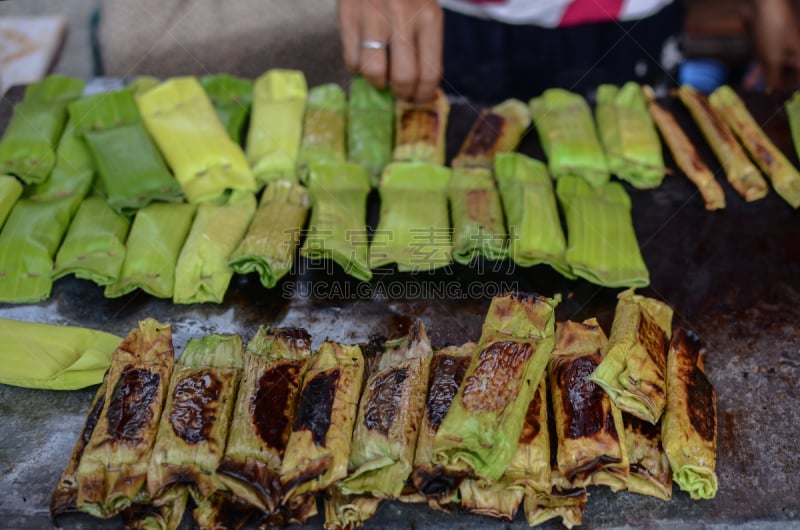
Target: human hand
pixel 413 32
pixel 776 33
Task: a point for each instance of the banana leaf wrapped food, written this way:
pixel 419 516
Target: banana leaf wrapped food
pixel 497 130
pixel 94 247
pixel 689 427
pixel 649 472
pixel 132 171
pixel 275 363
pixel 269 245
pixel 793 113
pixel 389 415
pixel 420 130
pixel 319 444
pixel 276 124
pixel 337 229
pixel 73 174
pixel 535 233
pixel 231 97
pixel 202 273
pixel 784 176
pixel 28 146
pixel 324 126
pixel 10 191
pixel 482 427
pixel 634 365
pixel 197 416
pixel 742 175
pixel 685 154
pixel 348 512
pixel 414 227
pixel 492 500
pixel 370 127
pixel 601 246
pixel 166 514
pixel 478 228
pixel 113 468
pixel 568 135
pixel 589 429
pixel 220 511
pixel 182 121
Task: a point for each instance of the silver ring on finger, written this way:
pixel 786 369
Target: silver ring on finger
pixel 373 45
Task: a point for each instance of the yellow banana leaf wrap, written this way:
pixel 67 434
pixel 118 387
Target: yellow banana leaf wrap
pixel 202 273
pixel 337 230
pixel 601 242
pixel 113 468
pixel 568 135
pixel 482 427
pixel 650 473
pixel 492 500
pixel 370 127
pixel 197 416
pixel 231 97
pixel 182 121
pixel 319 444
pixel 166 515
pixel 689 427
pixel 152 250
pixel 478 228
pixel 276 124
pixel 28 146
pixel 497 130
pixel 414 228
pixel 10 191
pixel 348 512
pixel 420 130
pixel 793 113
pixel 535 233
pixel 324 126
pixel 269 245
pixel 635 362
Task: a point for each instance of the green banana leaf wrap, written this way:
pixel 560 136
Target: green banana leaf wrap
pixel 197 416
pixel 784 176
pixel 142 83
pixel 132 171
pixel 275 363
pixel 421 129
pixel 793 113
pixel 478 228
pixel 370 127
pixel 202 273
pixel 628 135
pixel 221 511
pixel 113 468
pixel 38 355
pixel 389 415
pixel 324 126
pixel 482 427
pixel 650 473
pixel 231 97
pixel 319 444
pixel 94 247
pixel 348 512
pixel 10 191
pixel 276 124
pixel 635 362
pixel 689 426
pixel 535 234
pixel 28 146
pixel 337 229
pixel 568 135
pixel 589 429
pixel 165 515
pixel 73 174
pixel 274 233
pixel 152 250
pixel 414 227
pixel 182 121
pixel 602 246
pixel 497 130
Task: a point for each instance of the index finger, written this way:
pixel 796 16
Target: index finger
pixel 350 32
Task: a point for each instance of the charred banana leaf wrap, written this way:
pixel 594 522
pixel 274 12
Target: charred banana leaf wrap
pixel 478 228
pixel 650 473
pixel 420 130
pixel 370 127
pixel 497 130
pixel 10 192
pixel 231 97
pixel 166 515
pixel 347 512
pixel 324 126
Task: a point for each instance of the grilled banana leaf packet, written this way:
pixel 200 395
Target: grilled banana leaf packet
pixel 370 127
pixel 589 428
pixel 389 416
pixel 10 192
pixel 793 113
pixel 535 233
pixel 649 472
pixel 493 500
pixel 194 426
pixel 324 127
pixel 271 240
pixel 487 416
pixel 276 124
pixel 420 130
pixel 220 511
pixel 338 229
pixel 568 135
pixel 689 427
pixel 601 242
pixel 28 146
pixel 478 228
pixel 275 363
pixel 497 130
pixel 319 444
pixel 348 512
pixel 165 515
pixel 784 176
pixel 231 97
pixel 113 468
pixel 152 250
pixel 634 364
pixel 414 227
